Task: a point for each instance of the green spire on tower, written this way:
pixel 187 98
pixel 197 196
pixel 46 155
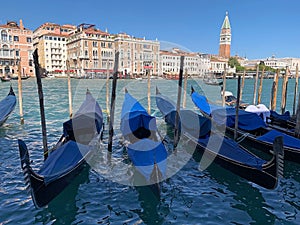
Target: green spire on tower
pixel 226 23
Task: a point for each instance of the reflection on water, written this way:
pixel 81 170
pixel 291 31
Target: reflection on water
pixel 190 196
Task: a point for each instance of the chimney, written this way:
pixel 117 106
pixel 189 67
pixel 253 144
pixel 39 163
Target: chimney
pixel 21 25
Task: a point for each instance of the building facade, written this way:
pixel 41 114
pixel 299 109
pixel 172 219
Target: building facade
pixel 90 51
pixel 51 41
pixel 194 64
pixel 225 38
pixel 16 48
pixel 137 55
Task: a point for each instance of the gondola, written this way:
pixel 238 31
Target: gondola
pixel 7 105
pixel 252 130
pixel 144 147
pixel 196 129
pixel 5 78
pixel 68 158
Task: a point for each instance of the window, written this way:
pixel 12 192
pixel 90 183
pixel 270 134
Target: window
pixel 95 64
pixel 17 53
pixel 85 43
pixel 94 43
pixel 29 40
pixel 16 38
pixel 3 36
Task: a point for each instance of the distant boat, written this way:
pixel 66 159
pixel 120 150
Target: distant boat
pixel 213 82
pixel 68 158
pixel 22 77
pixel 7 105
pixel 5 78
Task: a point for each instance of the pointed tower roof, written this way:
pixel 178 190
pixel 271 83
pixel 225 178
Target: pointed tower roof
pixel 226 23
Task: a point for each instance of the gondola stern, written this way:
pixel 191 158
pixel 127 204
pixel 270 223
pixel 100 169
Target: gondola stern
pixel 192 90
pixel 157 90
pixel 275 167
pixel 11 91
pixel 24 155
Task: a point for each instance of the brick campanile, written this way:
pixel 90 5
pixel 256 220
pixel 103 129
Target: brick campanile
pixel 225 38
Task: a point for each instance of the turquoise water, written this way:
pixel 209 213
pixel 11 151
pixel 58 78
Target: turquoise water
pixel 191 196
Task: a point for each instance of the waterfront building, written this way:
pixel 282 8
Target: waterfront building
pixel 194 64
pixel 225 38
pixel 90 51
pixel 204 64
pixel 137 55
pixel 50 39
pixel 16 48
pixel 276 63
pixel 218 64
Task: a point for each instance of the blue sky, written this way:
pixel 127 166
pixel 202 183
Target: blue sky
pixel 260 28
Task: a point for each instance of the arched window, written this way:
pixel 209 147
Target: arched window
pixel 3 35
pixel 5 50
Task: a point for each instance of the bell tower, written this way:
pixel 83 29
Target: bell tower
pixel 225 38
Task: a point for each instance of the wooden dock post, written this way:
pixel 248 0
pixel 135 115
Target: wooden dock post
pixel 296 90
pixel 255 85
pixel 284 90
pixel 41 100
pixel 184 89
pixel 260 86
pixel 149 92
pixel 242 86
pixel 236 124
pixel 112 103
pixel 107 91
pixel 176 130
pixel 224 86
pixel 20 93
pixel 274 91
pixel 69 89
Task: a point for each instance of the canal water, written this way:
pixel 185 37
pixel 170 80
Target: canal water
pixel 189 196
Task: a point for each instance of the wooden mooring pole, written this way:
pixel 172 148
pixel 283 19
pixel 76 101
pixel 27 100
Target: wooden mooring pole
pixel 176 130
pixel 255 85
pixel 274 91
pixel 224 86
pixel 69 89
pixel 112 103
pixel 284 90
pixel 184 89
pixel 149 92
pixel 260 86
pixel 20 93
pixel 236 125
pixel 107 91
pixel 296 90
pixel 41 100
pixel 243 84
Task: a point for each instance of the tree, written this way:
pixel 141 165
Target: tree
pixel 233 62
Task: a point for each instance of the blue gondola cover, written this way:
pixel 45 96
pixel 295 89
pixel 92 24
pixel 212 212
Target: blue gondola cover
pixel 145 153
pixel 230 149
pixel 247 120
pixel 135 116
pixel 7 105
pixel 62 160
pixel 288 141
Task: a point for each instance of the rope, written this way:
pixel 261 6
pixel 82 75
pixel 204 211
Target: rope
pixel 242 138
